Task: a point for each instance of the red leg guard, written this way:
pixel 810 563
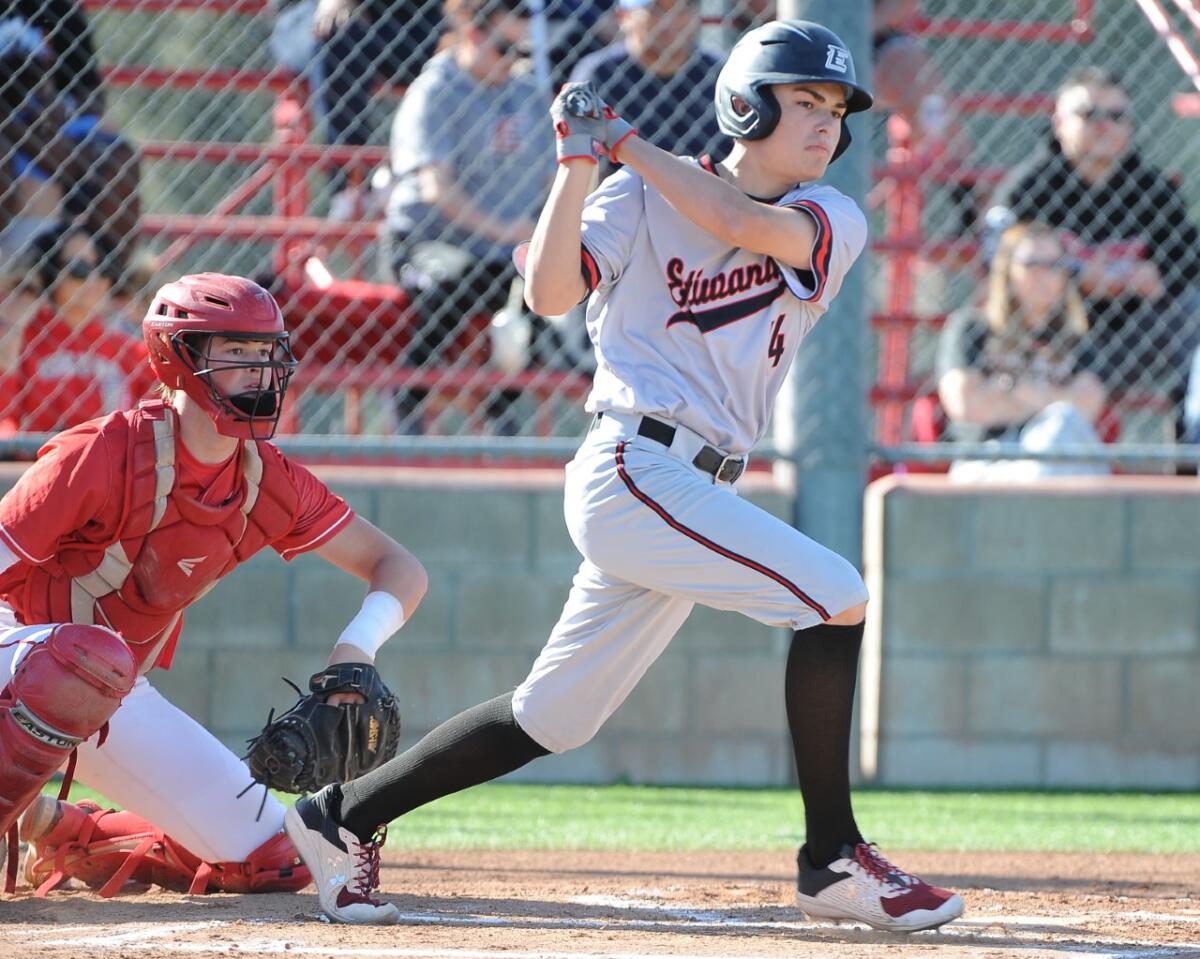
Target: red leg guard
pixel 64 690
pixel 274 866
pixel 106 848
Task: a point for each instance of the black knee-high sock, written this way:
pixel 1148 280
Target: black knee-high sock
pixel 475 746
pixel 822 669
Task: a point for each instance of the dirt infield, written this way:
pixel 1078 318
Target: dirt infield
pixel 584 905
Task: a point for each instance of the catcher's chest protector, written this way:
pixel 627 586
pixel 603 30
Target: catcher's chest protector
pixel 170 550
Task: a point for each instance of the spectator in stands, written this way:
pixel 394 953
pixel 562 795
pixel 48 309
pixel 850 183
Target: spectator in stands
pixel 472 161
pixel 910 88
pixel 1015 370
pixel 51 129
pixel 72 365
pixel 748 14
pixel 908 85
pixel 132 294
pixel 576 29
pixel 18 306
pixel 658 78
pixel 1139 253
pixel 360 44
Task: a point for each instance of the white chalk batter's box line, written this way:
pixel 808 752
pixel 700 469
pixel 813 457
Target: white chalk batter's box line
pixel 985 927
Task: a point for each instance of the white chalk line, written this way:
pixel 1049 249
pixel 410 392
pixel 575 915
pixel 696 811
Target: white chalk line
pixel 685 919
pixel 287 947
pixel 132 937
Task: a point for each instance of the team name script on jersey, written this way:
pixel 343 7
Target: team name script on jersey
pixel 691 288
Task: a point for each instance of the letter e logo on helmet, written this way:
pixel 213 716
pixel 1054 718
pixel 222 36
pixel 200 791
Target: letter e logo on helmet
pixel 836 58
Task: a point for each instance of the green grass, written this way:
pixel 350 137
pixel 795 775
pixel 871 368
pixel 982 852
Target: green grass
pixel 642 817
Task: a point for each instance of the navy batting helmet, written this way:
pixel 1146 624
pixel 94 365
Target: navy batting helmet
pixel 783 51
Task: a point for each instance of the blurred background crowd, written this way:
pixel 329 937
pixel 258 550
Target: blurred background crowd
pixel 375 163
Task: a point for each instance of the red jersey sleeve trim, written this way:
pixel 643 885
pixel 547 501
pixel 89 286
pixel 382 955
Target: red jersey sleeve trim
pixel 321 538
pixel 16 547
pixel 822 251
pixel 590 269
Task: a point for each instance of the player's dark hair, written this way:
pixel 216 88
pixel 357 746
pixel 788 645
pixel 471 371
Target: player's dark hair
pixel 481 12
pixel 49 252
pixel 1089 76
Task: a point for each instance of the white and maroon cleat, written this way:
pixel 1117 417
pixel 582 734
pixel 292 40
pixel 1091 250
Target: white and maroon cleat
pixel 345 869
pixel 861 885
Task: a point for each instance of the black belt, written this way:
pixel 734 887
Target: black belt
pixel 724 469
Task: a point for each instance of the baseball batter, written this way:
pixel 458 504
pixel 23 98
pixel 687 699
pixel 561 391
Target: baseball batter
pixel 105 541
pixel 703 280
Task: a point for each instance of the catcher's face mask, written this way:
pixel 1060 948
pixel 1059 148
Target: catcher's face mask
pixel 246 377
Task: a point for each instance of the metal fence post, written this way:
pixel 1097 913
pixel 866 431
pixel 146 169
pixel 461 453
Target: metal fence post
pixel 821 420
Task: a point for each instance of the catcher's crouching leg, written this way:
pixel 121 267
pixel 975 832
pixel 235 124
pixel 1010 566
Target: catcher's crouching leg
pixel 106 848
pixel 62 692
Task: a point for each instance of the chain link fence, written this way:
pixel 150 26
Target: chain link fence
pixel 373 162
pixel 1036 261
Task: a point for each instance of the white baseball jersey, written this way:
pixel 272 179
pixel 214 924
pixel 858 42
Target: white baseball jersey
pixel 701 334
pixel 697 331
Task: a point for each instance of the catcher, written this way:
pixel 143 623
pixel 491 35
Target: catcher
pixel 105 541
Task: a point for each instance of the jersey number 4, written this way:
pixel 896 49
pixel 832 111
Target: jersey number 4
pixel 775 349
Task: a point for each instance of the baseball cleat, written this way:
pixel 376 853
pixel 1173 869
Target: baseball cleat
pixel 861 885
pixel 46 824
pixel 344 869
pixel 41 816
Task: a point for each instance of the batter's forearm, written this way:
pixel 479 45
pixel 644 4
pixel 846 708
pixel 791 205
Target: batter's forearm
pixel 553 279
pixel 708 201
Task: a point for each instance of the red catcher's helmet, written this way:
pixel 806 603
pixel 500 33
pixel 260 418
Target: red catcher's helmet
pixel 178 331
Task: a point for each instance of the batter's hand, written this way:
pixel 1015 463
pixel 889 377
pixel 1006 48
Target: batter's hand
pixel 585 127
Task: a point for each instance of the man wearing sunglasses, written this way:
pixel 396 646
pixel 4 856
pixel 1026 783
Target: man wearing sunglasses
pixel 472 160
pixel 1137 251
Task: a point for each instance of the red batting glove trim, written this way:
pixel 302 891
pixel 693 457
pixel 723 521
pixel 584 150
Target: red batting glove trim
pixel 612 150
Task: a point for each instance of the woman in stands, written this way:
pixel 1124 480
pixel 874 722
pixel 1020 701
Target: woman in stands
pixel 1016 370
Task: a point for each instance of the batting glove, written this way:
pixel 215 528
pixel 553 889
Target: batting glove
pixel 585 127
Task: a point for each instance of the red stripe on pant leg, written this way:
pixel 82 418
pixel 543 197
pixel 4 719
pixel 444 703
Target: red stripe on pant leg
pixel 709 544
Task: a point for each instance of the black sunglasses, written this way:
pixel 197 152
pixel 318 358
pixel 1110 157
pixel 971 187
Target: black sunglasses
pixel 1112 114
pixel 1046 263
pixel 78 268
pixel 506 49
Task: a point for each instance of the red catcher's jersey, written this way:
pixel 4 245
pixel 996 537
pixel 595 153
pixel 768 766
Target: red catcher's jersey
pixel 117 525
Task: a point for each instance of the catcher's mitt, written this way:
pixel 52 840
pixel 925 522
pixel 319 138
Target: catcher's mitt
pixel 314 744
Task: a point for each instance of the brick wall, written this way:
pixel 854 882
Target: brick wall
pixel 1038 635
pixel 1029 636
pixel 500 565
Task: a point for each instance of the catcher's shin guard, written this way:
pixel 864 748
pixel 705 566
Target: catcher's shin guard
pixel 106 848
pixel 63 691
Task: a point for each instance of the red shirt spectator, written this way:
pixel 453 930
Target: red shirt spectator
pixel 72 367
pixel 67 375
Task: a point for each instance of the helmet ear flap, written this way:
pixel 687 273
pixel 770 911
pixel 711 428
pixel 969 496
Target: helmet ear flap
pixel 767 107
pixel 843 143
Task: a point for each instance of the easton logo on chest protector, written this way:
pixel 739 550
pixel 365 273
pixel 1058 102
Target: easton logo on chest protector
pixel 691 288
